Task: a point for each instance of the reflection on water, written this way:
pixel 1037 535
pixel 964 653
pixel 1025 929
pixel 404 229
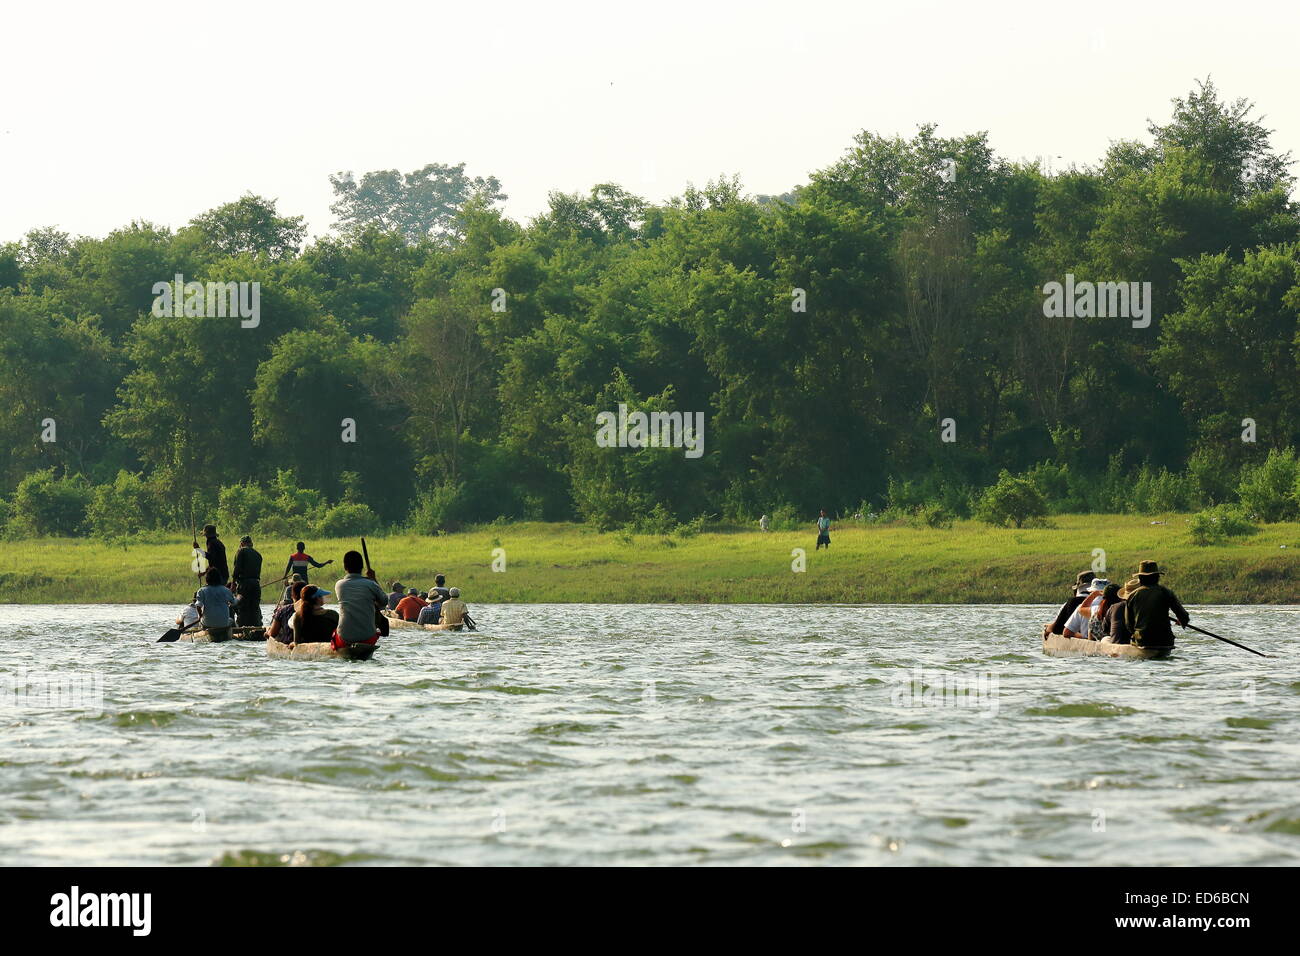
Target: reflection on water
pixel 619 734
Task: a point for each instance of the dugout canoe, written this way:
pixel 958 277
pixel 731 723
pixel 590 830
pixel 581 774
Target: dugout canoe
pixel 236 634
pixel 1057 645
pixel 319 652
pixel 395 621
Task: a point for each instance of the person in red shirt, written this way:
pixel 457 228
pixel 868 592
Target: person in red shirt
pixel 300 560
pixel 409 607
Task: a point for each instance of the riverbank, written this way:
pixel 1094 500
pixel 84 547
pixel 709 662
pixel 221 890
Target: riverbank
pixel 969 563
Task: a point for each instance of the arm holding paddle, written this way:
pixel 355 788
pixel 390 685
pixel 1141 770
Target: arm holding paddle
pixel 381 622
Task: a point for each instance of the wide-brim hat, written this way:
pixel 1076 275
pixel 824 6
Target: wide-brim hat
pixel 1149 567
pixel 1097 584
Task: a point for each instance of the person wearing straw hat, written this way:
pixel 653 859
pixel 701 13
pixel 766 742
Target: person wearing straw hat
pixel 1116 627
pixel 1148 608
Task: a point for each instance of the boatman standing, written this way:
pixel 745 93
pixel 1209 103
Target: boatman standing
pixel 1148 608
pixel 247 579
pixel 215 552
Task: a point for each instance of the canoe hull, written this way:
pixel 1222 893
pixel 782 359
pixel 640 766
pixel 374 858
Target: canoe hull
pixel 395 621
pixel 236 634
pixel 1056 645
pixel 319 652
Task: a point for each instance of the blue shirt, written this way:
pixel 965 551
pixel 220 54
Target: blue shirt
pixel 215 602
pixel 429 615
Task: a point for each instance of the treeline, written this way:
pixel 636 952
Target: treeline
pixel 833 337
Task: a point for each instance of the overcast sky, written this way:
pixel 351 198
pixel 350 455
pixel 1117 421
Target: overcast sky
pixel 159 111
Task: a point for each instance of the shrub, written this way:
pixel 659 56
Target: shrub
pixel 1214 525
pixel 658 520
pixel 247 508
pixel 347 520
pixel 121 508
pixel 784 518
pixel 438 509
pixel 931 516
pixel 1269 491
pixel 1013 500
pixel 1160 492
pixel 45 505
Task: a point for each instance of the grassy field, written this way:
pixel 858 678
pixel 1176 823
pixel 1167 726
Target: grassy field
pixel 969 563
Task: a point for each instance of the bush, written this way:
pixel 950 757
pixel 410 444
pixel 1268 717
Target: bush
pixel 784 518
pixel 659 520
pixel 1161 492
pixel 122 508
pixel 45 505
pixel 1215 525
pixel 931 516
pixel 1012 500
pixel 248 508
pixel 438 509
pixel 1213 473
pixel 1269 491
pixel 347 520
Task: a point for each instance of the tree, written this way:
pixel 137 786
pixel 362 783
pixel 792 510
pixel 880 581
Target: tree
pixel 419 205
pixel 250 225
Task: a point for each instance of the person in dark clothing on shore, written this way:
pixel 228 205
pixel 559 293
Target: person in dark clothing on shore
pixel 246 577
pixel 215 552
pixel 1149 607
pixel 1082 581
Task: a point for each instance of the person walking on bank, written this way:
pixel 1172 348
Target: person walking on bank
pixel 246 577
pixel 823 532
pixel 1147 609
pixel 215 552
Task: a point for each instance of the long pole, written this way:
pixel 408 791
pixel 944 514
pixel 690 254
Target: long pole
pixel 1218 638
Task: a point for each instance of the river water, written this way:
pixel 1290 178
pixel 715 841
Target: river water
pixel 634 734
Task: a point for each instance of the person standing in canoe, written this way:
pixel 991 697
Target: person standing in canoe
pixel 823 532
pixel 215 552
pixel 360 600
pixel 215 603
pixel 300 561
pixel 1147 609
pixel 246 578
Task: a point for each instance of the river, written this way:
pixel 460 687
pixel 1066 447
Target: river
pixel 650 735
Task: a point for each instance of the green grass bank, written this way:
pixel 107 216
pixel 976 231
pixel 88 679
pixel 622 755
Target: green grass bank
pixel 969 563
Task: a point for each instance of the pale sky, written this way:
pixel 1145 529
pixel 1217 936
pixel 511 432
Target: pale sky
pixel 162 110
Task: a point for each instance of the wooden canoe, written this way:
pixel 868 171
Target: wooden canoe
pixel 1057 645
pixel 441 627
pixel 320 651
pixel 395 621
pixel 236 634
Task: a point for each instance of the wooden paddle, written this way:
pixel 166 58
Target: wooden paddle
pixel 381 621
pixel 1217 638
pixel 175 632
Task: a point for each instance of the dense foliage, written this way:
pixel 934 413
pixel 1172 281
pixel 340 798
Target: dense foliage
pixel 826 335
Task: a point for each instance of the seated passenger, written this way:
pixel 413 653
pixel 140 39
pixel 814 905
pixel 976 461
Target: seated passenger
pixel 312 622
pixel 408 608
